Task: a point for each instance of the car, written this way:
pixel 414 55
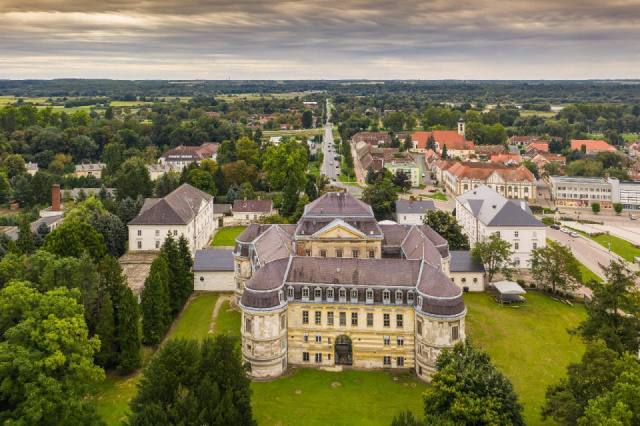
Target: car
pixel 554 226
pixel 432 190
pixel 331 163
pixel 632 217
pixel 565 230
pixel 574 234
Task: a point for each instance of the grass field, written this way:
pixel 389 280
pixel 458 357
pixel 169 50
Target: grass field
pixel 437 196
pixel 361 398
pixel 588 274
pixel 196 319
pixel 112 396
pixel 308 132
pixel 546 114
pixel 227 236
pixel 228 320
pixel 529 344
pixel 313 169
pixel 622 248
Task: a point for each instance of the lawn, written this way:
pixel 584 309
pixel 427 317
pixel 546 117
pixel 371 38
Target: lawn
pixel 529 344
pixel 228 320
pixel 196 319
pixel 622 248
pixel 588 274
pixel 227 236
pixel 437 196
pixel 351 397
pixel 313 169
pixel 112 396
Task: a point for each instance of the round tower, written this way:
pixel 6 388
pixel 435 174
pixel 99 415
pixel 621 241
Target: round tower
pixel 440 319
pixel 241 266
pixel 461 127
pixel 264 321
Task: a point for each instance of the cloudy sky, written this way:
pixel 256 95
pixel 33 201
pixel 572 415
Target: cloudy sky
pixel 330 39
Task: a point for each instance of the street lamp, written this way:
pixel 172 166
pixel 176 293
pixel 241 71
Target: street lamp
pixel 609 248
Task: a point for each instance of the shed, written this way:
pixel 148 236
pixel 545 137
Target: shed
pixel 213 270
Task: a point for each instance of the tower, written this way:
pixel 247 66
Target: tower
pixel 461 127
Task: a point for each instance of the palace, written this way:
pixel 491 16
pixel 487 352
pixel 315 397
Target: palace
pixel 338 288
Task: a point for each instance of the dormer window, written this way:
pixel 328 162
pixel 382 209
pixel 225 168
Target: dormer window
pixel 386 296
pixel 399 297
pixel 420 301
pixel 290 293
pixel 329 295
pixel 410 297
pixel 305 293
pixel 317 294
pixel 369 295
pixel 354 295
pixel 342 294
pixel 281 296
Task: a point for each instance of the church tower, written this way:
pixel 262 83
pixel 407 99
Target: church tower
pixel 461 127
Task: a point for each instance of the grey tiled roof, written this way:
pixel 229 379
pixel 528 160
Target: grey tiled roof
pixel 493 209
pixel 338 204
pixel 49 220
pixel 417 206
pixel 177 208
pixel 213 260
pixel 461 261
pixel 221 208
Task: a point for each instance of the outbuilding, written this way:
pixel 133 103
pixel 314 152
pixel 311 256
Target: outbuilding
pixel 213 270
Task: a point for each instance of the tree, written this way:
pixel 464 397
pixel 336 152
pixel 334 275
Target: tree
pixel 556 267
pixel 595 207
pixel 431 142
pixel 14 165
pixel 85 209
pixel 127 210
pixel 617 207
pixel 286 162
pixel 5 189
pixel 586 392
pixel 248 151
pixel 46 357
pixel 444 151
pixel 113 231
pixel 191 382
pixel 447 226
pixel 400 180
pixel 310 189
pixel 180 282
pixel 129 333
pixel 307 119
pixel 106 332
pixel 25 237
pixel 73 238
pixel 532 167
pixel 133 179
pixel 155 303
pixel 202 180
pixel 85 278
pixel 371 174
pixel 289 199
pixel 41 233
pixel 495 254
pixel 613 314
pixel 468 389
pixel 395 121
pixel 382 199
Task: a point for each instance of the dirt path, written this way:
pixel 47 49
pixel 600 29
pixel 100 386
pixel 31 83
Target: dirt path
pixel 219 302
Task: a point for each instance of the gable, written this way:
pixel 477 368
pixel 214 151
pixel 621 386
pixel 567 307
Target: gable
pixel 339 232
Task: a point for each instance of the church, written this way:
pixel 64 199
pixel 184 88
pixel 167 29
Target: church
pixel 340 289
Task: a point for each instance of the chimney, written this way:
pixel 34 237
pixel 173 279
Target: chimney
pixel 261 229
pixel 410 201
pixel 258 198
pixel 55 197
pixel 522 205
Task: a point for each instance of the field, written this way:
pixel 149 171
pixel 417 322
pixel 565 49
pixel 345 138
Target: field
pixel 529 344
pixel 546 114
pixel 226 237
pixel 307 132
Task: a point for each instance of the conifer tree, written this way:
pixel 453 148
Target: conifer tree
pixel 187 259
pixel 129 333
pixel 105 330
pixel 25 236
pixel 86 278
pixel 40 235
pixel 155 303
pixel 175 263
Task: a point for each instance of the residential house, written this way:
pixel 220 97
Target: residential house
pixel 485 151
pixel 455 141
pixel 32 168
pixel 511 182
pixel 246 211
pixel 440 166
pixel 84 170
pixel 482 212
pixel 187 212
pixel 371 138
pixel 181 156
pixel 413 212
pixel 591 147
pixel 157 170
pixel 466 273
pixel 506 159
pixel 541 159
pixel 523 140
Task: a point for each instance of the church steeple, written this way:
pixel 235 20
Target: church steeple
pixel 461 127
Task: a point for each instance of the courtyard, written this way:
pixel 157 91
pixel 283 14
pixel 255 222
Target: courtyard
pixel 226 237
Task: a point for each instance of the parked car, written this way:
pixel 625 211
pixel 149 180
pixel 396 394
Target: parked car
pixel 565 230
pixel 432 190
pixel 632 217
pixel 554 226
pixel 574 234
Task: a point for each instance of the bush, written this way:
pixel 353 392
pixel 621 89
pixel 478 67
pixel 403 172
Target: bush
pixel 548 221
pixel 520 282
pixel 589 222
pixel 547 211
pixel 566 218
pixel 536 209
pixel 532 285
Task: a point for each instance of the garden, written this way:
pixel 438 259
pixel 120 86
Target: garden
pixel 226 237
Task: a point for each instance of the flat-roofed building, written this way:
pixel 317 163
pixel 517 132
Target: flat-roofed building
pixel 581 192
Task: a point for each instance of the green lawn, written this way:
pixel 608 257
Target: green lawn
pixel 228 321
pixel 227 236
pixel 529 344
pixel 361 398
pixel 588 274
pixel 111 399
pixel 436 196
pixel 196 319
pixel 313 169
pixel 622 248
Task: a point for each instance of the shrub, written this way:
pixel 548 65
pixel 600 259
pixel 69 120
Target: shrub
pixel 520 282
pixel 567 219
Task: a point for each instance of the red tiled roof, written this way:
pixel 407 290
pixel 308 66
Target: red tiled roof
pixel 597 145
pixel 450 138
pixel 539 146
pixel 502 158
pixel 482 171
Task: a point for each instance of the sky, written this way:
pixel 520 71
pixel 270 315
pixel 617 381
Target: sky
pixel 321 39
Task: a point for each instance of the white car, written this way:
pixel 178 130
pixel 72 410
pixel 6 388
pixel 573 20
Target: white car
pixel 565 230
pixel 574 234
pixel 331 163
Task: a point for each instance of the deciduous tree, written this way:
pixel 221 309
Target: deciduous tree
pixel 382 199
pixel 447 226
pixel 495 254
pixel 556 267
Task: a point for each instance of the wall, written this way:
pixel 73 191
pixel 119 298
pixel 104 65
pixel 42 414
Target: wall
pixel 466 279
pixel 410 218
pixel 265 346
pixel 214 281
pixel 436 335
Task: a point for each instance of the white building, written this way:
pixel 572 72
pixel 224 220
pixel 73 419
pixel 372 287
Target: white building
pixel 186 211
pixel 482 212
pixel 157 170
pixel 213 270
pixel 412 212
pixel 181 156
pixel 249 211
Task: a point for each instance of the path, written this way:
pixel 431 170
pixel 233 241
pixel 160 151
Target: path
pixel 219 302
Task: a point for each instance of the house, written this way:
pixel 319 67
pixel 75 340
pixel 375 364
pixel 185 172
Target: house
pixel 413 212
pixel 486 151
pixel 591 147
pixel 213 270
pixel 506 159
pixel 219 212
pixel 339 289
pixel 181 156
pixel 286 126
pixel 482 212
pixel 455 141
pixel 523 140
pixel 94 169
pixel 581 192
pixel 511 182
pixel 32 168
pixel 187 212
pixel 440 166
pixel 412 170
pixel 51 221
pixel 371 138
pixel 543 158
pixel 392 159
pixel 248 211
pixel 466 273
pixel 275 140
pixel 312 105
pixel 157 170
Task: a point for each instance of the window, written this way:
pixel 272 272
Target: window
pixel 535 234
pixel 318 317
pixel 386 296
pixel 139 244
pixel 290 292
pixel 400 341
pixel 369 319
pixel 399 321
pixel 157 244
pixel 387 340
pixel 323 253
pixel 354 254
pixel 454 333
pixel 175 232
pixel 330 295
pixel 305 317
pixel 343 318
pixel 535 246
pixel 399 297
pixel 283 321
pixel 516 246
pixel 247 325
pixel 318 357
pixel 354 318
pixel 475 280
pixel 238 285
pixel 201 279
pixel 372 254
pixel 317 294
pixel 139 232
pixel 318 338
pixel 515 234
pixel 305 293
pixel 329 318
pixel 157 232
pixel 516 261
pixel 247 216
pixel 343 295
pixel 238 268
pixel 305 337
pixel 305 356
pixel 338 253
pixel 419 349
pixel 354 295
pixel 387 320
pixel 410 296
pixel 386 360
pixel 464 280
pixel 400 361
